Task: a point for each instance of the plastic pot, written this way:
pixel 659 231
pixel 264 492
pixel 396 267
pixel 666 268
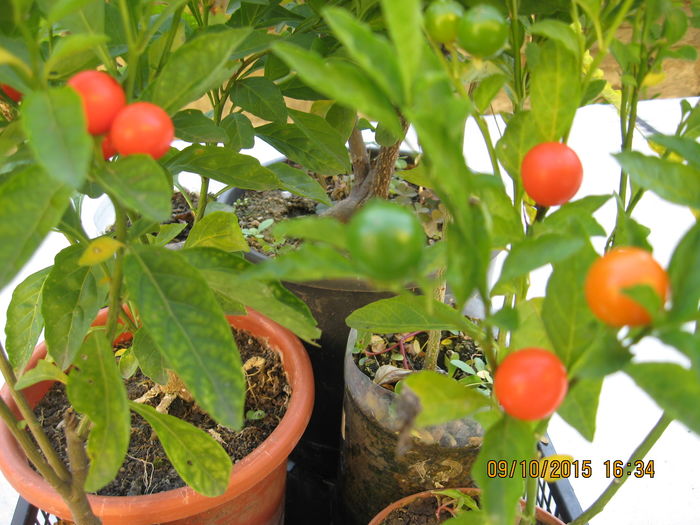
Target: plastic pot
pixel 372 475
pixel 542 516
pixel 255 495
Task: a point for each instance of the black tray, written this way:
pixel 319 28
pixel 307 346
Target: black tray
pixel 307 491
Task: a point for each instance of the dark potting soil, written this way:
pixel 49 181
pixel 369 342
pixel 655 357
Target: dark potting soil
pixel 146 469
pixel 255 208
pixel 423 511
pixel 452 347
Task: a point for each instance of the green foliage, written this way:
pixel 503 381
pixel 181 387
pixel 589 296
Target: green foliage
pixel 183 318
pixel 24 319
pixel 442 399
pixel 95 389
pixel 71 298
pixel 199 460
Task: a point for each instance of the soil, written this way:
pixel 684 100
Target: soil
pixel 183 214
pixel 146 469
pixel 253 208
pixel 423 512
pixel 451 347
pixel 419 512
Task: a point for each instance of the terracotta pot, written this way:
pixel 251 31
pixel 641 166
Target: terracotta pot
pixel 542 516
pixel 255 495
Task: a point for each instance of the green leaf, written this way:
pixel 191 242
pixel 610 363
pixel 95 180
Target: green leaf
pixel 63 8
pixel 341 81
pixel 486 90
pixel 140 183
pixel 604 356
pixel 194 68
pixel 520 136
pixel 685 277
pixel 580 406
pixel 224 165
pixel 342 119
pixel 72 296
pixel 530 331
pixel 218 230
pixel 407 313
pixel 24 320
pixel 150 358
pixel 508 440
pixel 567 318
pixel 314 228
pixel 192 126
pixel 468 255
pixel 54 123
pixel 43 371
pixel 71 45
pixel 31 203
pixel 167 232
pixel 506 226
pixel 183 318
pixel 404 22
pixel 647 297
pixel 372 52
pixel 686 147
pixel 261 97
pixel 629 232
pixel 239 130
pixel 95 388
pixel 575 217
pixel 299 182
pixel 200 461
pixel 672 387
pixel 128 364
pixel 554 90
pixel 418 176
pixel 223 273
pixel 674 182
pixel 558 31
pixel 530 254
pixel 443 399
pixel 299 144
pixel 310 262
pixel 326 138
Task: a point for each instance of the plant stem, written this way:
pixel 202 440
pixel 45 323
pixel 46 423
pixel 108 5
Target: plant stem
pixel 174 25
pixel 29 448
pixel 203 197
pixel 640 452
pixel 483 127
pixel 118 273
pixel 432 349
pixel 28 414
pixel 530 499
pixel 517 59
pixel 132 55
pixel 80 507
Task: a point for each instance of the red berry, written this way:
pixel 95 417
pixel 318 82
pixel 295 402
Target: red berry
pixel 530 383
pixel 108 149
pixel 102 98
pixel 551 173
pixel 142 127
pixel 11 92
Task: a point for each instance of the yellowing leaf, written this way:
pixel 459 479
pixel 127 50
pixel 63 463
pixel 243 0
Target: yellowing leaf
pixel 653 79
pixel 555 467
pixel 99 251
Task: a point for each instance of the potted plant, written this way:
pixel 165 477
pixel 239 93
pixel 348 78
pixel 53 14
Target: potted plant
pixel 177 306
pixel 554 350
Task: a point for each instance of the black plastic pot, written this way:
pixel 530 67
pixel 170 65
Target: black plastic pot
pixel 330 301
pixel 372 475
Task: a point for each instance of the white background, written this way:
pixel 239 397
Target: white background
pixel 626 414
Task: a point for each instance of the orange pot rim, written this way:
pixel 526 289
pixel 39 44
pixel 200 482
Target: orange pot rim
pixel 540 514
pixel 183 502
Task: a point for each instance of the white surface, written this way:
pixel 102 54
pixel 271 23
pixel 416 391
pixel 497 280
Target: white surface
pixel 626 413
